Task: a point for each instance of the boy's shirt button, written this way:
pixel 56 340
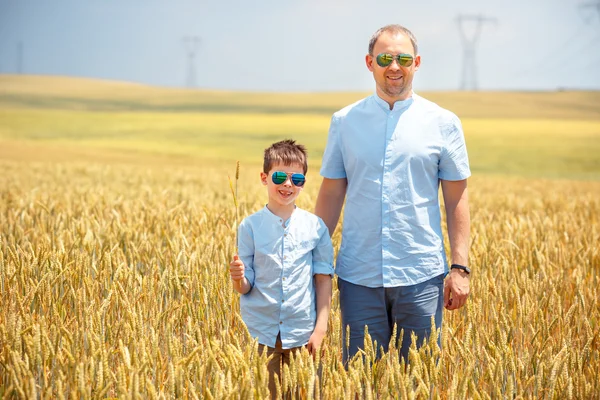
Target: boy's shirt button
pixel 280 322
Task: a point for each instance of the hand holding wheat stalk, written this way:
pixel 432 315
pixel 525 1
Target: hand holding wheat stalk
pixel 234 192
pixel 235 202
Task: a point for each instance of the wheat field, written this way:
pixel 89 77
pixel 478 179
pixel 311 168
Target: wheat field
pixel 114 282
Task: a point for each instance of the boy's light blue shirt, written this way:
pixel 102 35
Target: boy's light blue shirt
pixel 280 262
pixel 393 160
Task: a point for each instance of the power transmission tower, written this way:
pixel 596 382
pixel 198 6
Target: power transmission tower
pixel 191 44
pixel 469 71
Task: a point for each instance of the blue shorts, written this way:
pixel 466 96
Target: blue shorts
pixel 410 307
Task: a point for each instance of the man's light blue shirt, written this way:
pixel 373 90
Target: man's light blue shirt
pixel 393 160
pixel 281 258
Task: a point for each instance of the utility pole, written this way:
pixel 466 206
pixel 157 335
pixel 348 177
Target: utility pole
pixel 20 57
pixel 191 44
pixel 469 70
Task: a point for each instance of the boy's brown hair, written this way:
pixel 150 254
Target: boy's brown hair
pixel 286 152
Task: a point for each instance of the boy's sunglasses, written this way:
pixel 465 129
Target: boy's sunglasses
pixel 385 59
pixel 279 177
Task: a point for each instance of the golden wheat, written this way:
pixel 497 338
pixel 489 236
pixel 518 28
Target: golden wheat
pixel 114 283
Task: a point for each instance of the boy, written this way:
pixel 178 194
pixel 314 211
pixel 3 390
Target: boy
pixel 285 264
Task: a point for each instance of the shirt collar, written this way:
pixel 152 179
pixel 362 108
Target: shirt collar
pixel 278 220
pixel 398 105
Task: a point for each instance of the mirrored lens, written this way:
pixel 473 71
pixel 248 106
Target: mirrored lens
pixel 298 179
pixel 279 177
pixel 384 59
pixel 405 60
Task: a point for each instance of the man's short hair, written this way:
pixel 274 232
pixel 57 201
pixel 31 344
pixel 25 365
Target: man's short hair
pixel 394 29
pixel 286 152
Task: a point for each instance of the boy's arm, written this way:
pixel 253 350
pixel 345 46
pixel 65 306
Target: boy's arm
pixel 322 271
pixel 237 271
pixel 323 292
pixel 241 268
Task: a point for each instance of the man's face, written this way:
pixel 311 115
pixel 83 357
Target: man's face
pixel 393 82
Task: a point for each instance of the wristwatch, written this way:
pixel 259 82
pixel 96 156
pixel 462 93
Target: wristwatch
pixel 458 266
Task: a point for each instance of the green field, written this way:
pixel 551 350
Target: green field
pixel 542 135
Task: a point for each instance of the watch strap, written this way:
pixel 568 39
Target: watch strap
pixel 462 267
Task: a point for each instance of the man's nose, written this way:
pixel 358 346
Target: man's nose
pixel 394 64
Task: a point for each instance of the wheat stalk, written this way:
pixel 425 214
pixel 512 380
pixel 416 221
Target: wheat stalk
pixel 234 193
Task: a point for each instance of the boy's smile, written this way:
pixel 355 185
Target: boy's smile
pixel 282 196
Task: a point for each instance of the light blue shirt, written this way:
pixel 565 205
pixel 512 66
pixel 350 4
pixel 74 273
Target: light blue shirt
pixel 393 160
pixel 280 262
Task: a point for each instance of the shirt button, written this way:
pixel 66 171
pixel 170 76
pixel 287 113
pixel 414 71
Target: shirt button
pixel 284 278
pixel 280 322
pixel 282 300
pixel 285 234
pixel 284 257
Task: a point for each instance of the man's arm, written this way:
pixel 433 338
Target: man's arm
pixel 323 293
pixel 456 201
pixel 330 201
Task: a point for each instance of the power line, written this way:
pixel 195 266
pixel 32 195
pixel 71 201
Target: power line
pixel 595 5
pixel 469 69
pixel 191 44
pixel 549 60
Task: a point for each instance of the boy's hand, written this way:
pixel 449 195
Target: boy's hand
pixel 236 269
pixel 315 342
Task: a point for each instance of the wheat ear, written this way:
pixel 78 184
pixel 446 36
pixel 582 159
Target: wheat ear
pixel 234 192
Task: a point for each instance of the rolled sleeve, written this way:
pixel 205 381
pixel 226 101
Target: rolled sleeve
pixel 246 250
pixel 322 254
pixel 454 161
pixel 332 166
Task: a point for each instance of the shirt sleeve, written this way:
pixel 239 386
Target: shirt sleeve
pixel 322 254
pixel 454 160
pixel 332 166
pixel 246 249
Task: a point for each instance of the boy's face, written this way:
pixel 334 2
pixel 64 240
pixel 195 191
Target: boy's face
pixel 283 195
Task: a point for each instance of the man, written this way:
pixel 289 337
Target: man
pixel 386 155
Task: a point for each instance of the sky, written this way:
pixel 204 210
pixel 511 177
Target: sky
pixel 300 45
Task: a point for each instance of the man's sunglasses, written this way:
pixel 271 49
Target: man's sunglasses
pixel 279 177
pixel 385 59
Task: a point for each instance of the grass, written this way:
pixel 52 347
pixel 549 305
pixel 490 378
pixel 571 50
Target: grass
pixel 544 135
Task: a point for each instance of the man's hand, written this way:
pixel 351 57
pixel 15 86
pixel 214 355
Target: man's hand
pixel 315 341
pixel 236 269
pixel 456 289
